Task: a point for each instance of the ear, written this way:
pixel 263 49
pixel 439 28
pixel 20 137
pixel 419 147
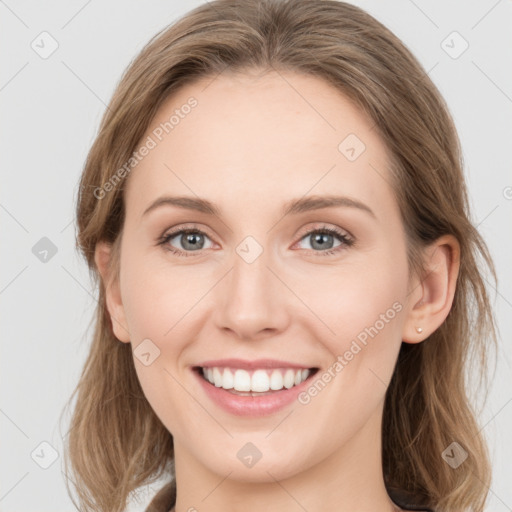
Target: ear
pixel 431 297
pixel 102 258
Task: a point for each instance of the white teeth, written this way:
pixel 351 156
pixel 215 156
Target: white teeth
pixel 242 381
pixel 260 381
pixel 276 381
pixel 217 378
pixel 289 379
pixel 227 379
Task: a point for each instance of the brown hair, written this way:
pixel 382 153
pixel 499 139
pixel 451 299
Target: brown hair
pixel 116 442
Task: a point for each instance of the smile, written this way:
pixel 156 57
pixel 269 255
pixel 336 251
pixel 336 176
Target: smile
pixel 256 388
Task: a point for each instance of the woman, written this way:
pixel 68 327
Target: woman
pixel 276 215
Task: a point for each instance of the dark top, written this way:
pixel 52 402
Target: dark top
pixel 165 499
pixel 407 500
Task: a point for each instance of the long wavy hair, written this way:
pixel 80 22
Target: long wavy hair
pixel 116 443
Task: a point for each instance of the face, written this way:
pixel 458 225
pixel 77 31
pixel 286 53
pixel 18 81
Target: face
pixel 267 280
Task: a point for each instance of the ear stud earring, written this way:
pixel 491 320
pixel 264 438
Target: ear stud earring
pixel 419 330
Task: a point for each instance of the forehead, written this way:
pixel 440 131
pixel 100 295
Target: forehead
pixel 277 136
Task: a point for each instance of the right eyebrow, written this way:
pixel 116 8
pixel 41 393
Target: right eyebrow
pixel 190 203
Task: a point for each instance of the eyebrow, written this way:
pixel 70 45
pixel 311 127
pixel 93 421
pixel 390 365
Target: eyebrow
pixel 294 206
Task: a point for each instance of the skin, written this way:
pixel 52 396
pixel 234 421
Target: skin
pixel 251 144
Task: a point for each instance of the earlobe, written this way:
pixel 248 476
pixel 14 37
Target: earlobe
pixel 102 257
pixel 431 297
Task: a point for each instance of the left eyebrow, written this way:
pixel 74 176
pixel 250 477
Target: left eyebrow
pixel 309 203
pixel 294 206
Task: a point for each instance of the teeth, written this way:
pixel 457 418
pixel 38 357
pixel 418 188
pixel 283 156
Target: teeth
pixel 217 378
pixel 289 379
pixel 228 381
pixel 242 381
pixel 260 381
pixel 276 380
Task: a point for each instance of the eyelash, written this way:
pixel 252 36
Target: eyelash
pixel 346 240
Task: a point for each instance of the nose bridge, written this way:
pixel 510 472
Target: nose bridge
pixel 251 276
pixel 253 299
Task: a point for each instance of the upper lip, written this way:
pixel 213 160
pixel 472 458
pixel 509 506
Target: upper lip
pixel 251 365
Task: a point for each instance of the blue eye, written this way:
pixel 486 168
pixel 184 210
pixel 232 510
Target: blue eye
pixel 192 240
pixel 324 236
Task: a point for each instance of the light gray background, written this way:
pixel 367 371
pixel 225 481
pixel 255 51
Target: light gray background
pixel 51 109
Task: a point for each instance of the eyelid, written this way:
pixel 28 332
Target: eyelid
pixel 188 226
pixel 324 226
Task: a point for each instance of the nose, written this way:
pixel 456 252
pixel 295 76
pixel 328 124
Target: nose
pixel 251 302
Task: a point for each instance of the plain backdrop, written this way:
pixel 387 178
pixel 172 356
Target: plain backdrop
pixel 50 112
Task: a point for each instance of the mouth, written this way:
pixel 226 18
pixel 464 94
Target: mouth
pixel 252 388
pixel 255 382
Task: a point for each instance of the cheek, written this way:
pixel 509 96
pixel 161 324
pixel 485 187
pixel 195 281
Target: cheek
pixel 158 306
pixel 363 306
pixel 155 297
pixel 364 309
pixel 355 298
pixel 367 309
pixel 160 303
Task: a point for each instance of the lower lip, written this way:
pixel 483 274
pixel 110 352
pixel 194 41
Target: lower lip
pixel 251 405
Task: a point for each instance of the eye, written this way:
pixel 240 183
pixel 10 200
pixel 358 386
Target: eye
pixel 323 238
pixel 190 239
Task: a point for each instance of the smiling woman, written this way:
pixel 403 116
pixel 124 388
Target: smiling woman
pixel 289 293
